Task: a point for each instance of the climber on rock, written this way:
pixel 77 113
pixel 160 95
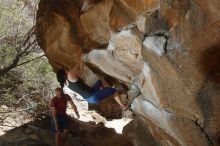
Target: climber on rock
pixel 60 123
pixel 93 94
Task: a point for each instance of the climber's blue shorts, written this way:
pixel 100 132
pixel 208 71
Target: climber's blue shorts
pixel 63 123
pixel 100 94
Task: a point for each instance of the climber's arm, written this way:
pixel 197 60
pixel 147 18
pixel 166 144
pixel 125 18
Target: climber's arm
pixel 81 67
pixel 118 100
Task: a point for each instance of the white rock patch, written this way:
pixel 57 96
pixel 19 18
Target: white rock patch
pixel 147 109
pixel 122 59
pixel 118 124
pixel 145 84
pixel 155 44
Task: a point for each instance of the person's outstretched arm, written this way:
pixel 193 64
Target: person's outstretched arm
pixel 81 67
pixel 118 100
pixel 74 108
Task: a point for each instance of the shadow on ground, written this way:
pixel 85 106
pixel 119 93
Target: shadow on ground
pixel 37 133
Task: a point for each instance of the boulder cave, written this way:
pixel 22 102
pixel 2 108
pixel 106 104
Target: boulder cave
pixel 169 50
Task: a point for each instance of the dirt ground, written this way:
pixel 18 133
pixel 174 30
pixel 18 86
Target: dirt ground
pixel 21 129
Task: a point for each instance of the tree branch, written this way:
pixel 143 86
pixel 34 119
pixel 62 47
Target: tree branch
pixel 11 66
pixel 30 60
pixel 23 48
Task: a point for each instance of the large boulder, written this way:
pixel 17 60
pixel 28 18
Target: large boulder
pixel 168 50
pixel 96 22
pixel 125 12
pixel 122 59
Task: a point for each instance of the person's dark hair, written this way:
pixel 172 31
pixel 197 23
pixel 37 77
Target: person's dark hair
pixel 61 77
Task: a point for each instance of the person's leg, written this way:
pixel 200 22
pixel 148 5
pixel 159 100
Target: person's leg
pixel 103 94
pixel 106 92
pixel 58 138
pixel 56 133
pixel 100 95
pixel 97 85
pixel 64 136
pixel 65 128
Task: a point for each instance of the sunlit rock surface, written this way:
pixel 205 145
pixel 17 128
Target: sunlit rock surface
pixel 169 50
pixel 123 54
pixel 155 44
pixel 96 21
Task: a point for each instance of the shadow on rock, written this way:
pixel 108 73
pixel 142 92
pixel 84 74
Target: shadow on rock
pixel 210 60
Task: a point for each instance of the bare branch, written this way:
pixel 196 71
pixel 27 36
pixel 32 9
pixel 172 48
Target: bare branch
pixel 10 67
pixel 24 49
pixel 30 60
pixel 25 52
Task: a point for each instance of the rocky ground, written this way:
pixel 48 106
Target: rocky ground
pixel 20 129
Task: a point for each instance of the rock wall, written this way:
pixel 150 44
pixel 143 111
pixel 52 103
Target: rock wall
pixel 168 49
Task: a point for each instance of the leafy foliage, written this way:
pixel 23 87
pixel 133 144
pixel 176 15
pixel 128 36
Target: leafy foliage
pixel 25 75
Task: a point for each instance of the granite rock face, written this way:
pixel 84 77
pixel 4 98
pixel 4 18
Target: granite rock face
pixel 169 50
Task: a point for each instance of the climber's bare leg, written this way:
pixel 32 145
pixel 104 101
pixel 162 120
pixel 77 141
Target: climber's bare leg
pixel 57 139
pixel 64 136
pixel 118 100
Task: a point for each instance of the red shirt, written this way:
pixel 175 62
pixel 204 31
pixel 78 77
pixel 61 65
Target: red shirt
pixel 60 104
